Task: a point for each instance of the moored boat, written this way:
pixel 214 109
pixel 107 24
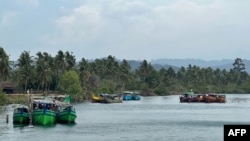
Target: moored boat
pixel 207 98
pixel 221 98
pixel 113 98
pixel 210 98
pixel 95 98
pixel 21 114
pixel 129 95
pixel 188 96
pixel 107 98
pixel 44 112
pixel 136 96
pixel 66 113
pixel 199 98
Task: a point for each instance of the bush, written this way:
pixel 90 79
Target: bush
pixel 3 99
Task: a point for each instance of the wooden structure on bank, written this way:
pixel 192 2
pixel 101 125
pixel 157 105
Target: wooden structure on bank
pixel 206 98
pixel 7 87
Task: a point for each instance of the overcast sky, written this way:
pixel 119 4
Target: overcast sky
pixel 127 29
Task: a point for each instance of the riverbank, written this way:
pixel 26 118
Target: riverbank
pixel 16 98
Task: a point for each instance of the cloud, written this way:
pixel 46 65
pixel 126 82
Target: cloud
pixel 7 18
pixel 137 29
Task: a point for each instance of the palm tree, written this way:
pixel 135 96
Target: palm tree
pixel 147 74
pixel 59 66
pixel 111 67
pixel 60 62
pixel 141 71
pixel 239 67
pixel 84 75
pixel 4 65
pixel 44 70
pixel 70 60
pixel 25 69
pixel 124 74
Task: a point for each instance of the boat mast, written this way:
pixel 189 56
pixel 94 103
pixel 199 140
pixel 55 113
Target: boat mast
pixel 30 108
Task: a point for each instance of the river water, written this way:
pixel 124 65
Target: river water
pixel 156 118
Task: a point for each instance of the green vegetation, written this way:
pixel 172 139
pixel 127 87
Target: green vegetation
pixel 45 73
pixel 70 84
pixel 3 98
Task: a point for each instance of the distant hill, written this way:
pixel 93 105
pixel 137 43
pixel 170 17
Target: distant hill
pixel 197 62
pixel 221 64
pixel 135 64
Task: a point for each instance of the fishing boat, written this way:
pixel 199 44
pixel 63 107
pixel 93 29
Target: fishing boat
pixel 210 98
pixel 206 98
pixel 136 96
pixel 113 98
pixel 44 112
pixel 66 113
pixel 21 114
pixel 107 98
pixel 128 95
pixel 188 96
pixel 95 98
pixel 221 98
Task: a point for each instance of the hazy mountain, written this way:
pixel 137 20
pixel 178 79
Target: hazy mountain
pixel 197 62
pixel 135 64
pixel 221 64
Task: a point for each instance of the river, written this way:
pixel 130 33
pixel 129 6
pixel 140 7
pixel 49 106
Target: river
pixel 156 118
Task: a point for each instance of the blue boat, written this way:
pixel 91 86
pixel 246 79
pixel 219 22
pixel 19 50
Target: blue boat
pixel 128 95
pixel 136 96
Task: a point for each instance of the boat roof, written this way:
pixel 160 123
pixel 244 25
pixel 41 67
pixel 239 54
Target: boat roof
pixel 43 101
pixel 127 92
pixel 21 106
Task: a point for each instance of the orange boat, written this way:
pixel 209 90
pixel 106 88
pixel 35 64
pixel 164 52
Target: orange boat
pixel 199 98
pixel 221 98
pixel 207 98
pixel 210 98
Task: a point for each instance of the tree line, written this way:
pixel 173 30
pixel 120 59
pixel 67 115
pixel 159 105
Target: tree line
pixel 61 73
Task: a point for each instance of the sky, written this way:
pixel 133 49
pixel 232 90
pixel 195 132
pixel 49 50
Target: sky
pixel 127 29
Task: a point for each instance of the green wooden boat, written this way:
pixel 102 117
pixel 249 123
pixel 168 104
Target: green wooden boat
pixel 66 114
pixel 21 114
pixel 44 112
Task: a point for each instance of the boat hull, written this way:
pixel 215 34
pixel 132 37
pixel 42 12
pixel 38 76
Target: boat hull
pixel 66 117
pixel 21 118
pixel 108 100
pixel 95 99
pixel 206 98
pixel 44 117
pixel 127 97
pixel 136 97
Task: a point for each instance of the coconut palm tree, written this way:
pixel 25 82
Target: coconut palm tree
pixel 25 69
pixel 44 70
pixel 60 62
pixel 4 65
pixel 84 75
pixel 124 74
pixel 70 60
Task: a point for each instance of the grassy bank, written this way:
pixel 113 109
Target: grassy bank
pixel 13 99
pixel 17 99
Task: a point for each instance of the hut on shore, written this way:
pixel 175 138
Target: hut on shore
pixel 7 87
